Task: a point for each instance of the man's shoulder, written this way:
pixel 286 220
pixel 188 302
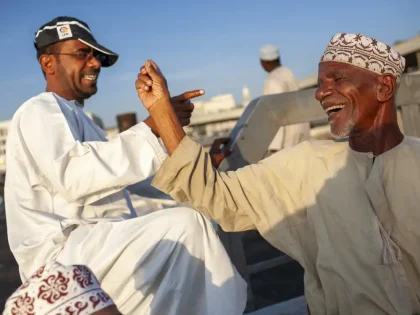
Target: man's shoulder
pixel 412 140
pixel 37 102
pixel 42 99
pixel 308 150
pixel 326 145
pixel 322 148
pixel 282 75
pixel 283 71
pixel 413 143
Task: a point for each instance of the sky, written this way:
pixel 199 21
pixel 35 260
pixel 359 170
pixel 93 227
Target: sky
pixel 211 45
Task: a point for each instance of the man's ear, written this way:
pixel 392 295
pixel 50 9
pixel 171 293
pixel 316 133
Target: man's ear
pixel 47 63
pixel 387 86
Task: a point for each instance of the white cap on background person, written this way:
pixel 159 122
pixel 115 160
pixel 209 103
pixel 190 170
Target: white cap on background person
pixel 269 53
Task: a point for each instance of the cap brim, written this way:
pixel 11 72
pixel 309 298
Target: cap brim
pixel 111 56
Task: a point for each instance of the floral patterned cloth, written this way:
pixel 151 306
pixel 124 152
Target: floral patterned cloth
pixel 58 290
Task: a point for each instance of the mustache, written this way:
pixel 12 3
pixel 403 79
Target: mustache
pixel 333 99
pixel 91 72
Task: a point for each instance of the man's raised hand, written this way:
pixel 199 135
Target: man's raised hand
pixel 151 85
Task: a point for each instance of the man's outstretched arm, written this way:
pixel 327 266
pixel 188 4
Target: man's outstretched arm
pixel 233 199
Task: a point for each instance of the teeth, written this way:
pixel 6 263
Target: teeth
pixel 334 107
pixel 90 77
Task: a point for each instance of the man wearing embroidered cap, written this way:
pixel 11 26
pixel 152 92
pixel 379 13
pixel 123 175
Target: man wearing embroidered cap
pixel 346 210
pixel 281 80
pixel 69 190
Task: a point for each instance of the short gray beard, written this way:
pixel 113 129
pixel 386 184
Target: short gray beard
pixel 344 132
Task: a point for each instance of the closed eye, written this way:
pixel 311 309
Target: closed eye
pixel 339 75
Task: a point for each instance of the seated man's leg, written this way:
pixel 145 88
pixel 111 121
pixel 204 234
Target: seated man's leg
pixel 167 262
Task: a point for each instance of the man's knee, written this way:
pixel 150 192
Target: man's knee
pixel 188 222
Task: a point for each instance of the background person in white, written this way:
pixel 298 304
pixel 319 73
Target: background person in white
pixel 66 198
pixel 280 80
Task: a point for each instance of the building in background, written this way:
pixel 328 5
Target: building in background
pixel 96 119
pixel 214 118
pixel 246 96
pixel 124 122
pixel 216 104
pixel 410 50
pixel 4 130
pixel 111 132
pixel 210 119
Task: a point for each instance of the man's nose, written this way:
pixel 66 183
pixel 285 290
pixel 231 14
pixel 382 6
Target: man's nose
pixel 323 91
pixel 94 63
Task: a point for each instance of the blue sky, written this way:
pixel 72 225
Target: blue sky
pixel 198 44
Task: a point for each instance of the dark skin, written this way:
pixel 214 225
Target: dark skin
pixel 369 117
pixel 218 152
pixel 75 78
pixel 65 74
pixel 269 66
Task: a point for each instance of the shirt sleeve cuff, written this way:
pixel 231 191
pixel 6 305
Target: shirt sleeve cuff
pixel 186 152
pixel 143 130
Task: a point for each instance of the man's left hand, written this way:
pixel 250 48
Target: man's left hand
pixel 217 153
pixel 183 106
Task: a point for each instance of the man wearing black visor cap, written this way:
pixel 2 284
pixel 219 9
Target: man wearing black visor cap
pixel 71 58
pixel 69 194
pixel 63 28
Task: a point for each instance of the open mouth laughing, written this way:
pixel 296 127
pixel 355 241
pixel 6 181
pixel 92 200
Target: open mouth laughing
pixel 332 109
pixel 90 77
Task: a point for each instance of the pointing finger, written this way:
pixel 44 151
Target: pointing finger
pixel 188 95
pixel 193 94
